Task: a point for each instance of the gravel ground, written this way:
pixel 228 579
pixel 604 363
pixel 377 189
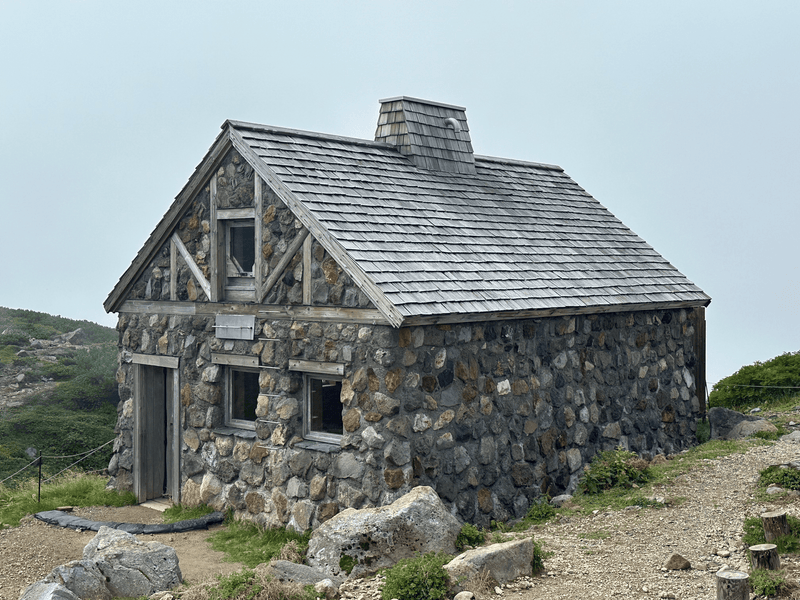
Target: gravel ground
pixel 609 554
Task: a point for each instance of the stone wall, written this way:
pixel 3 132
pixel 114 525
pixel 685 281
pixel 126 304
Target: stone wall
pixel 492 415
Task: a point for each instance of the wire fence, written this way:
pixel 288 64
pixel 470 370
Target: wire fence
pixel 38 462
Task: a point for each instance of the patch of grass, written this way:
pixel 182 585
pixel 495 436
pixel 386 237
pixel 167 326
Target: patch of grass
pixel 76 490
pixel 784 477
pixel 614 469
pixel 470 536
pixel 248 585
pixel 786 544
pixel 767 583
pixel 594 535
pixel 251 545
pixel 771 435
pixel 178 512
pixel 539 556
pixel 418 578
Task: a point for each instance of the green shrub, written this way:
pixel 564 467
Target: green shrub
pixel 614 469
pixel 469 536
pixel 767 583
pixel 758 383
pixel 247 585
pixel 540 511
pixel 784 477
pixel 418 578
pixel 539 556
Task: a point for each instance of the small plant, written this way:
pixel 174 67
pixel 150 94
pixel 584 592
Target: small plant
pixel 418 578
pixel 346 563
pixel 784 477
pixel 614 469
pixel 235 585
pixel 767 583
pixel 248 585
pixel 469 536
pixel 539 556
pixel 540 511
pixel 703 431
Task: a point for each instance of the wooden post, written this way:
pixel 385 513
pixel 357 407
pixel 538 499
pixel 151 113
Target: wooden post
pixel 775 524
pixel 733 585
pixel 765 556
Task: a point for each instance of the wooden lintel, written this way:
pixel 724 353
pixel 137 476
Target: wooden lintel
pixel 234 359
pixel 316 367
pixel 198 274
pixel 236 213
pixel 169 362
pixel 284 262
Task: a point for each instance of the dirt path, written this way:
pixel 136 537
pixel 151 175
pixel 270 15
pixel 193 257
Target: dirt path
pixel 30 551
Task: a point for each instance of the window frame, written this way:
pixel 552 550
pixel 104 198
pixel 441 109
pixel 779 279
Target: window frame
pixel 243 286
pixel 230 421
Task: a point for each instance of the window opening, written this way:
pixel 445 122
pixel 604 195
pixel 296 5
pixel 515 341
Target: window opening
pixel 244 392
pixel 324 409
pixel 241 249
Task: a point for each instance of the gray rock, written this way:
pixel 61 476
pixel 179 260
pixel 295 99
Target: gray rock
pixel 284 570
pixel 82 578
pixel 503 562
pixel 791 437
pixel 561 500
pixel 464 596
pixel 676 563
pixel 747 428
pixel 376 538
pixel 326 588
pixel 133 568
pixel 47 591
pixel 723 421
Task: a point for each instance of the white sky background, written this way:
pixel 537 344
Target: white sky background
pixel 681 117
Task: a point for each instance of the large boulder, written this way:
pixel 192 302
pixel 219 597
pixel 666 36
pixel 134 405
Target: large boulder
pixel 284 570
pixel 729 424
pixel 132 568
pixel 375 538
pixel 502 562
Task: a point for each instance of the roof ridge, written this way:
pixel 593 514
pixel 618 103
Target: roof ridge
pixel 524 163
pixel 420 101
pixel 303 133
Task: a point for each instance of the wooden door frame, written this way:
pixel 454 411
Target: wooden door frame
pixel 173 425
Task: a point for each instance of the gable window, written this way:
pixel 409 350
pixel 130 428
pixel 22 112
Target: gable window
pixel 240 255
pixel 322 399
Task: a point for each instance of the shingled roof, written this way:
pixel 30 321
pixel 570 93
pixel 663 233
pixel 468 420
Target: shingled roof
pixel 513 239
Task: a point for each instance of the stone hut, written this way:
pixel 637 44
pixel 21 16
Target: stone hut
pixel 320 322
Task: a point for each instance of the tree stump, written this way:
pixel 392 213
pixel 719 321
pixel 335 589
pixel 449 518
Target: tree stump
pixel 775 524
pixel 733 585
pixel 765 556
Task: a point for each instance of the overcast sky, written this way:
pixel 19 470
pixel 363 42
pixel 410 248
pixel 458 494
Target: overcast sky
pixel 681 117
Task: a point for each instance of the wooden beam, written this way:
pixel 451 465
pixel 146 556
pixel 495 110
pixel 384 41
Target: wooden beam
pixel 173 271
pixel 236 360
pixel 316 367
pixel 283 263
pixel 307 270
pixel 153 360
pixel 332 245
pixel 198 274
pixel 258 266
pixel 236 213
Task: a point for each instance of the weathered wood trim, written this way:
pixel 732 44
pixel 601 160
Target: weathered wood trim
pixel 258 267
pixel 138 432
pixel 321 234
pixel 283 263
pixel 539 313
pixel 173 271
pixel 307 270
pixel 174 429
pixel 198 274
pixel 143 307
pixel 316 368
pixel 235 213
pixel 152 360
pixel 329 314
pixel 214 261
pixel 236 360
pixel 204 170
